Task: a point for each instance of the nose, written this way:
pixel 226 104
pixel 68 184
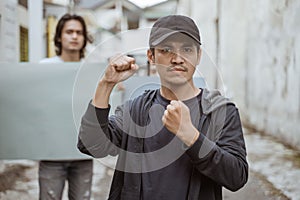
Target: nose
pixel 74 35
pixel 177 58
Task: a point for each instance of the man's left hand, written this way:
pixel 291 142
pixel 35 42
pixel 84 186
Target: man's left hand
pixel 177 120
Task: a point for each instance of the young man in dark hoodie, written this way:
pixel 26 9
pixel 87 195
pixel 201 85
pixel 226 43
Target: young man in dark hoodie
pixel 178 142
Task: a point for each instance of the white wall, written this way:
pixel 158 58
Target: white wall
pixel 233 47
pixel 35 32
pixel 204 13
pixel 9 31
pixel 274 94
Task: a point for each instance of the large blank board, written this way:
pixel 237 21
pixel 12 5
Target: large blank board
pixel 41 106
pixel 36 120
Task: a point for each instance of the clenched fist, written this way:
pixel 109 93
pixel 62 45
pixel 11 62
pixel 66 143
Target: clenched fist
pixel 177 120
pixel 120 68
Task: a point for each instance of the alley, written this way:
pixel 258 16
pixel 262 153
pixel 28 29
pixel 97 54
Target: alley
pixel 249 52
pixel 274 173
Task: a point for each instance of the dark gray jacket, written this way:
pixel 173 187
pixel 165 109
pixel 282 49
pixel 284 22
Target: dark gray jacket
pixel 218 156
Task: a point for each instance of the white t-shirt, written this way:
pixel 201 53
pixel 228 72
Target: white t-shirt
pixel 55 59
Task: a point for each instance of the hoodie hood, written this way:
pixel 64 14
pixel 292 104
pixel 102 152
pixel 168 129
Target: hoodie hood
pixel 211 100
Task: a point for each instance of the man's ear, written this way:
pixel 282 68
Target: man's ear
pixel 199 55
pixel 150 56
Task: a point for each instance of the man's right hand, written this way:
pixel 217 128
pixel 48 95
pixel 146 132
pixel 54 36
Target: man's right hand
pixel 120 68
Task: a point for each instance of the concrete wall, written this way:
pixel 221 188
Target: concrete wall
pixel 205 14
pixel 259 57
pixel 256 46
pixel 9 30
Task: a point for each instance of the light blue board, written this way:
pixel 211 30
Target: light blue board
pixel 41 106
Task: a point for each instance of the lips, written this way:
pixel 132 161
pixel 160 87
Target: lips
pixel 177 69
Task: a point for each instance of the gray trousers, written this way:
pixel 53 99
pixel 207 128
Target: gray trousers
pixel 53 174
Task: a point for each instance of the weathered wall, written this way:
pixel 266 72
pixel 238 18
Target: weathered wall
pixel 9 31
pixel 258 45
pixel 259 57
pixel 205 14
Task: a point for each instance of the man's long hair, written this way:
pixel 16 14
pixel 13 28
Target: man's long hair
pixel 60 25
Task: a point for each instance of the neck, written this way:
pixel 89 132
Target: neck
pixel 182 93
pixel 72 56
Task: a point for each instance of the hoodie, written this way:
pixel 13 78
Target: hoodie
pixel 218 155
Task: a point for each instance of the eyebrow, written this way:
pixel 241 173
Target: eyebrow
pixel 181 43
pixel 76 30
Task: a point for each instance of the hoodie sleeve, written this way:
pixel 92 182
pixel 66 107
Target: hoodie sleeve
pixel 98 135
pixel 222 158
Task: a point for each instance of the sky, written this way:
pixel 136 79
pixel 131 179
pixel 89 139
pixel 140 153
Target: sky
pixel 146 3
pixel 140 3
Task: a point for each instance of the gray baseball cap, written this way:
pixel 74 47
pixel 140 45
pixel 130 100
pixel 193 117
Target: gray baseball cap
pixel 171 24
